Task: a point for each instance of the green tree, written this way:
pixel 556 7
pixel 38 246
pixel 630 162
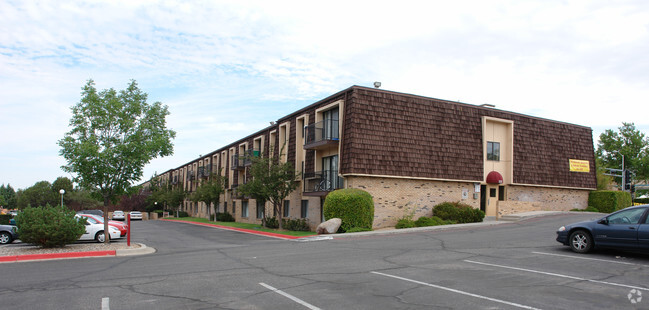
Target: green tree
pixel 63 183
pixel 113 136
pixel 9 195
pixel 271 181
pixel 38 195
pixel 627 141
pixel 210 191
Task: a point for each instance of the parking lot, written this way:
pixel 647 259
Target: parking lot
pixel 509 266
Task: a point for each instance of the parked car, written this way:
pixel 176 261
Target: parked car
pixel 136 215
pixel 627 229
pixel 95 231
pixel 8 233
pixel 93 212
pixel 123 228
pixel 118 215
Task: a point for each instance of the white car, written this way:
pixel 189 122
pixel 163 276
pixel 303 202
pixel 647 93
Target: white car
pixel 95 231
pixel 118 215
pixel 136 215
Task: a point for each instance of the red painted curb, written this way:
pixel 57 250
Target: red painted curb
pixel 18 258
pixel 249 231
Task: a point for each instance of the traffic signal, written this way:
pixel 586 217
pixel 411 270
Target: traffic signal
pixel 627 180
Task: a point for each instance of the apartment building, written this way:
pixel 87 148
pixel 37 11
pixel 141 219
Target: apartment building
pixel 410 153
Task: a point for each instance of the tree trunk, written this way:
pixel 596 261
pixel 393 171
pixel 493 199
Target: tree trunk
pixel 278 210
pixel 106 231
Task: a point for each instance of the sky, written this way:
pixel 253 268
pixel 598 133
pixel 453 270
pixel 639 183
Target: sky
pixel 226 69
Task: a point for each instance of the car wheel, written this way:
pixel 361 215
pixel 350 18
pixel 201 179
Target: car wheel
pixel 581 241
pixel 100 237
pixel 5 238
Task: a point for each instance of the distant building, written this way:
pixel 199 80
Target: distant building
pixel 411 153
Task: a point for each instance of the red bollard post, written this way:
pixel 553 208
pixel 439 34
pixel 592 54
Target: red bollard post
pixel 128 229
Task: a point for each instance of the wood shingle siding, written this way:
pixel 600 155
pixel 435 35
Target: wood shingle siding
pixel 387 133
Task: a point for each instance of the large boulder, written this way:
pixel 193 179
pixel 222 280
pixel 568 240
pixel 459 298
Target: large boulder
pixel 329 227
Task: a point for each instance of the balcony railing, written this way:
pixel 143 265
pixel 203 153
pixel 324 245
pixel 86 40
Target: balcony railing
pixel 237 162
pixel 174 180
pixel 190 175
pixel 322 182
pixel 204 171
pixel 321 134
pixel 250 154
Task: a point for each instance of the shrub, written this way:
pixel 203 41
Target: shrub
pixel 353 206
pixel 183 214
pixel 357 229
pixel 224 217
pixel 588 209
pixel 271 222
pixel 4 219
pixel 458 212
pixel 405 223
pixel 641 200
pixel 432 221
pixel 49 226
pixel 296 224
pixel 609 201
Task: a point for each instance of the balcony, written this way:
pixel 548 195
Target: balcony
pixel 320 183
pixel 204 171
pixel 250 154
pixel 321 135
pixel 237 162
pixel 174 180
pixel 190 175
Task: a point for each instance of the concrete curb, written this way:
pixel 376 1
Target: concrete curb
pixel 142 250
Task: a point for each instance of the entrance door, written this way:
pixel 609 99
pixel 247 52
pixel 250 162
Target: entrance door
pixel 492 200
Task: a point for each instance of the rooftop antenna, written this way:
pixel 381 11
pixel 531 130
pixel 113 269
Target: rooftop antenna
pixel 377 84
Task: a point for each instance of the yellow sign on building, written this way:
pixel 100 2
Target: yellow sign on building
pixel 577 165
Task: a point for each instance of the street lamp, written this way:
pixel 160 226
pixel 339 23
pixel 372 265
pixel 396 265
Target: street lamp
pixel 62 191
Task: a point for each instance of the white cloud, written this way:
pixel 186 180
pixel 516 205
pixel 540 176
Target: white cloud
pixel 582 62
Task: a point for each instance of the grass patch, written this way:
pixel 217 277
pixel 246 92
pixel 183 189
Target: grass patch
pixel 256 227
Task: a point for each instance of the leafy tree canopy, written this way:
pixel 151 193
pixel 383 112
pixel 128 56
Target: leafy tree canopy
pixel 8 194
pixel 210 191
pixel 627 141
pixel 38 195
pixel 114 134
pixel 271 181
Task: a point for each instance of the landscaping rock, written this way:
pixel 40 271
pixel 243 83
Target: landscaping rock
pixel 329 227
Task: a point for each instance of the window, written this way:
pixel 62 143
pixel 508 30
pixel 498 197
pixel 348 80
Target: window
pixel 501 193
pixel 331 124
pixel 244 209
pixel 287 206
pixel 632 216
pixel 492 192
pixel 493 151
pixel 305 209
pixel 234 207
pixel 260 209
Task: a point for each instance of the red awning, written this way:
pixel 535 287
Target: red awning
pixel 494 177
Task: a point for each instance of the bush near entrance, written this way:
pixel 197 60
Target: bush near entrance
pixel 354 207
pixel 458 212
pixel 609 201
pixel 49 226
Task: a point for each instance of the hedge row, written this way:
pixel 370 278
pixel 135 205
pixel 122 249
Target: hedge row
pixel 609 201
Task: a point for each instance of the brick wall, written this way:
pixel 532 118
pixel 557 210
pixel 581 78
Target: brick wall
pixel 395 197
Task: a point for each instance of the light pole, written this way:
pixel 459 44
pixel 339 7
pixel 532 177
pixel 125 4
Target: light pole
pixel 62 191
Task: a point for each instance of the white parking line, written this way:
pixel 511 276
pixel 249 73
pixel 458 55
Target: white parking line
pixel 105 303
pixel 590 258
pixel 289 296
pixel 456 291
pixel 559 275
